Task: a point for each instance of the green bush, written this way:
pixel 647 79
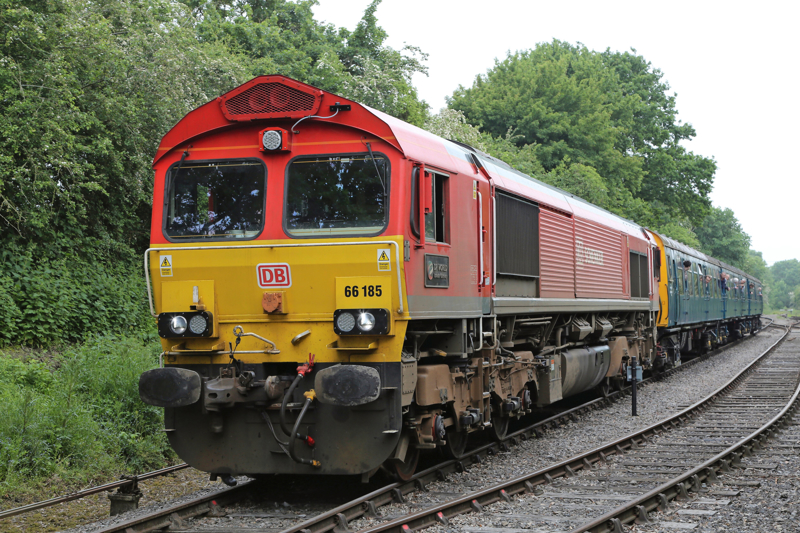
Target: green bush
pixel 79 418
pixel 66 299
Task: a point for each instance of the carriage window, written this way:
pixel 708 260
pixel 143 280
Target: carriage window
pixel 215 200
pixel 674 279
pixel 685 285
pixel 337 195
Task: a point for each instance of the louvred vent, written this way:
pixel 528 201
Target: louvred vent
pixel 270 100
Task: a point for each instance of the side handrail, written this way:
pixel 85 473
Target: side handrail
pixel 293 245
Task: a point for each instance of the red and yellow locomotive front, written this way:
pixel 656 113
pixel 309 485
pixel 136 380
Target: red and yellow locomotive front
pixel 276 267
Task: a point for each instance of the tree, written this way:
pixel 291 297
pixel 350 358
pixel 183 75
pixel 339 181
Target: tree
pixel 779 296
pixel 560 98
pixel 679 180
pixel 452 125
pixel 787 271
pixel 754 264
pixel 609 111
pixel 722 236
pixel 88 89
pixel 279 36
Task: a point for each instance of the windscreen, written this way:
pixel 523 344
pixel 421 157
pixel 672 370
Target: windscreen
pixel 216 200
pixel 336 195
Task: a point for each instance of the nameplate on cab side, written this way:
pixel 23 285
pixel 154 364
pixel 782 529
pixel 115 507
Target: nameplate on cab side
pixel 437 271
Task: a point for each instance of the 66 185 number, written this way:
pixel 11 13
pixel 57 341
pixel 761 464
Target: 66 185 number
pixel 353 291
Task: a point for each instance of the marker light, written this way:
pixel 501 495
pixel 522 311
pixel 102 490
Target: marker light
pixel 345 322
pixel 198 324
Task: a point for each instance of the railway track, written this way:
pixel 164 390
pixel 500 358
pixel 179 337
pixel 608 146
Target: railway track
pixel 339 517
pixel 626 480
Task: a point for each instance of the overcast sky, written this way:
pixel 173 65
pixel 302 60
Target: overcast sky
pixel 734 66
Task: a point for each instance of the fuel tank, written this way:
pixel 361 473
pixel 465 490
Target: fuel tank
pixel 583 368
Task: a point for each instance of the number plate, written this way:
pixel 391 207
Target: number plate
pixel 368 292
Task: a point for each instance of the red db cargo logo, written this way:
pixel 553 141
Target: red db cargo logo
pixel 272 275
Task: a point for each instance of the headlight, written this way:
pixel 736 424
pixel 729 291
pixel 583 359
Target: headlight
pixel 366 321
pixel 272 140
pixel 361 321
pixel 177 325
pixel 198 324
pixel 345 322
pixel 188 324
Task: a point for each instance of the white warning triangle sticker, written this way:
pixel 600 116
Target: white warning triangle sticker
pixel 165 266
pixel 384 256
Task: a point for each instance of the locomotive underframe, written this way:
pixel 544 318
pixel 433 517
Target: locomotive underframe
pixel 682 342
pixel 522 361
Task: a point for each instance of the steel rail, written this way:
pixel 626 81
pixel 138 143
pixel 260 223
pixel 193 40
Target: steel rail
pixel 93 490
pixel 175 514
pixel 638 508
pixel 365 504
pixel 529 482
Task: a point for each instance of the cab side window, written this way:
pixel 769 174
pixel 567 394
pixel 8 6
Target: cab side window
pixel 435 221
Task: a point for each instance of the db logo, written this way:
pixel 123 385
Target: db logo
pixel 271 275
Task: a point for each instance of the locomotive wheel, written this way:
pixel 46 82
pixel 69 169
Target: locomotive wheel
pixel 404 469
pixel 499 428
pixel 455 443
pixel 604 388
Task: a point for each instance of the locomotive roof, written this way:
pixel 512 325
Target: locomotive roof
pixel 415 143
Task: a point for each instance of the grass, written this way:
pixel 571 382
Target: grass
pixel 72 417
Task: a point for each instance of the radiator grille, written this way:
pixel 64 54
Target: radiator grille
pixel 640 286
pixel 270 100
pixel 557 254
pixel 517 237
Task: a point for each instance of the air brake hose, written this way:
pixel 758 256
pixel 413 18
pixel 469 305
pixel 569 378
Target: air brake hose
pixel 310 395
pixel 284 425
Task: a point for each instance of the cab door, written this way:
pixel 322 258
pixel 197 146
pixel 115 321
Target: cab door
pixel 706 293
pixel 484 237
pixel 686 294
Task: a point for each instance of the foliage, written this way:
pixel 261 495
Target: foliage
pixel 79 119
pixel 452 124
pixel 722 236
pixel 787 271
pixel 610 112
pixel 278 36
pixel 674 177
pixel 47 300
pixel 78 416
pixel 785 291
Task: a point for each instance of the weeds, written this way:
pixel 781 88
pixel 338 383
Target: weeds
pixel 77 417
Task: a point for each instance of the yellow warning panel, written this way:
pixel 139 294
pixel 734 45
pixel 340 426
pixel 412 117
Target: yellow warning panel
pixel 384 259
pixel 165 265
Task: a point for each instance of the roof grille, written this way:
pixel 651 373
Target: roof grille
pixel 270 100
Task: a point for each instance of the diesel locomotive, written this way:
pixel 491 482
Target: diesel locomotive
pixel 338 291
